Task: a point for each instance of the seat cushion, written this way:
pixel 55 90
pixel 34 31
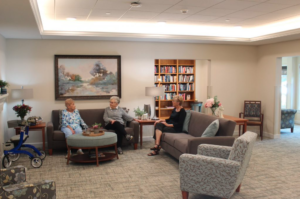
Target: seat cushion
pixel 170 138
pixel 58 135
pixel 181 144
pixel 78 140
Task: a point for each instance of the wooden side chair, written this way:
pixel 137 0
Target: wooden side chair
pixel 252 112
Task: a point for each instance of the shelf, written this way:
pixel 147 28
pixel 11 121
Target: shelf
pixel 170 91
pixel 185 73
pixel 185 91
pixel 185 82
pixel 168 73
pixel 166 100
pixel 168 64
pixel 168 82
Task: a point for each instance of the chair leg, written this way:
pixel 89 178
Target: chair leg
pixel 50 151
pixel 185 194
pixel 292 130
pixel 261 132
pixel 135 146
pixel 239 130
pixel 238 189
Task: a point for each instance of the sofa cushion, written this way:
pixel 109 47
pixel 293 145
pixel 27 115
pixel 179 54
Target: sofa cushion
pixel 58 135
pixel 186 122
pixel 181 144
pixel 212 129
pixel 171 137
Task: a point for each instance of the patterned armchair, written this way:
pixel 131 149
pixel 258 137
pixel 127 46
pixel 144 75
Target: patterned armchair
pixel 14 185
pixel 216 170
pixel 287 118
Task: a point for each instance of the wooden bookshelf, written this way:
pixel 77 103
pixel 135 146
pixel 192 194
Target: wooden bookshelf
pixel 176 75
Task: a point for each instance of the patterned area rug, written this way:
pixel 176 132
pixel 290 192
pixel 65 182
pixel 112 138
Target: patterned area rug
pixel 273 173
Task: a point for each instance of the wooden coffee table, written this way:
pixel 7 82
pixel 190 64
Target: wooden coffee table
pixel 39 127
pixel 142 123
pixel 239 121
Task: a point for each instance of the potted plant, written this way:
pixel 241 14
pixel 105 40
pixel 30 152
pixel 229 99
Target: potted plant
pixel 21 111
pixel 213 104
pixel 3 85
pixel 138 112
pixel 96 127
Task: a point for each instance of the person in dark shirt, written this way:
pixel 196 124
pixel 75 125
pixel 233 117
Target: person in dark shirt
pixel 172 125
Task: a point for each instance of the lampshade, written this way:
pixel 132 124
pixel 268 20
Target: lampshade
pixel 21 94
pixel 154 91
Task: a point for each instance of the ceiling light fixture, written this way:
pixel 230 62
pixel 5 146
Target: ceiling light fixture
pixel 71 19
pixel 227 20
pixel 238 27
pixel 135 4
pixel 184 11
pixel 108 13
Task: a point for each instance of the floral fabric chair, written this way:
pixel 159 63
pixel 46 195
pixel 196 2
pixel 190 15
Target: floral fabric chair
pixel 216 170
pixel 287 119
pixel 14 185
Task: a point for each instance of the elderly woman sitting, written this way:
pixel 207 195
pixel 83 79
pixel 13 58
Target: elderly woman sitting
pixel 172 125
pixel 71 121
pixel 114 117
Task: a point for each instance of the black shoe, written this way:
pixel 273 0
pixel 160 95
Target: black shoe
pixel 120 151
pixel 129 137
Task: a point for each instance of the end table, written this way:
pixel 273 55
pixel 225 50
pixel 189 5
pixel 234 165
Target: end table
pixel 142 123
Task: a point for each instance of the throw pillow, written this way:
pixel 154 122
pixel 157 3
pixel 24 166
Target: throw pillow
pixel 186 122
pixel 59 119
pixel 212 129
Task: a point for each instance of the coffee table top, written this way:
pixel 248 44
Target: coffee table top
pixel 79 140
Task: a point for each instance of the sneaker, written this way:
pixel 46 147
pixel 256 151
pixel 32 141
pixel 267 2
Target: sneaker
pixel 129 137
pixel 120 151
pixel 79 152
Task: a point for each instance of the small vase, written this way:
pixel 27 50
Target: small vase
pixel 22 122
pixel 214 111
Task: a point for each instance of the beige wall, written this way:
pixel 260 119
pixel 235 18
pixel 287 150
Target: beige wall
pixel 30 63
pixel 268 80
pixel 2 76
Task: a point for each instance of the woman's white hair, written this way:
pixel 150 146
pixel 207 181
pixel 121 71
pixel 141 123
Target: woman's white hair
pixel 68 101
pixel 178 98
pixel 117 99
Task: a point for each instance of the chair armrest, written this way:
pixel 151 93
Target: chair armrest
pixel 214 151
pixel 205 175
pixel 13 175
pixel 193 143
pixel 136 130
pixel 32 190
pixel 50 130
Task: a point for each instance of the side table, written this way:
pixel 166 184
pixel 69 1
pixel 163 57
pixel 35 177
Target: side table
pixel 39 127
pixel 142 123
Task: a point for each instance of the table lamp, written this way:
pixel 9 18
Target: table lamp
pixel 154 92
pixel 21 94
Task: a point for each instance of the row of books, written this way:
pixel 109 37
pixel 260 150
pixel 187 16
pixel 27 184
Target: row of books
pixel 168 96
pixel 186 78
pixel 185 69
pixel 168 78
pixel 155 69
pixel 185 96
pixel 170 87
pixel 167 69
pixel 186 87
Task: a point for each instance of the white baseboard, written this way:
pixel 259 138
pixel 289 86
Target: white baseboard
pixel 297 121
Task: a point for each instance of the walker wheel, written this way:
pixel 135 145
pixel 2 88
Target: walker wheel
pixel 36 162
pixel 14 156
pixel 6 162
pixel 43 156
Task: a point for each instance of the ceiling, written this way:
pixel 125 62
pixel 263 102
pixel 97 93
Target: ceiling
pixel 250 22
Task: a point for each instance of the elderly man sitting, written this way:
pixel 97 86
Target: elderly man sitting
pixel 71 121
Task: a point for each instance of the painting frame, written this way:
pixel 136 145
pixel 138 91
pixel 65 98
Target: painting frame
pixel 57 58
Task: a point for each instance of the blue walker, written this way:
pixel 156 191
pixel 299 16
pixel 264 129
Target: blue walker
pixel 12 150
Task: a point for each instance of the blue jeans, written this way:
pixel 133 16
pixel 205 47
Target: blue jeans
pixel 68 132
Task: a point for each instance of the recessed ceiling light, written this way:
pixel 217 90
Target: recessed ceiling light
pixel 238 27
pixel 184 11
pixel 108 13
pixel 227 20
pixel 135 4
pixel 71 19
pixel 161 22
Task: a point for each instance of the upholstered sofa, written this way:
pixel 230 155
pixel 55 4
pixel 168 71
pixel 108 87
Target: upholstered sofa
pixel 287 119
pixel 179 143
pixel 56 138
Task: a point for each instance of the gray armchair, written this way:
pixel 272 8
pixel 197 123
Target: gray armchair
pixel 287 119
pixel 14 185
pixel 216 170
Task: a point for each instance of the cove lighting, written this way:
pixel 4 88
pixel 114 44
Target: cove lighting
pixel 71 19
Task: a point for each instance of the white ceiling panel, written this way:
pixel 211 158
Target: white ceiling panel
pixel 64 17
pixel 161 2
pixel 258 1
pixel 215 12
pixel 267 7
pixel 244 14
pixel 148 7
pixel 191 9
pixel 140 15
pixel 112 5
pixel 200 18
pixel 285 2
pixel 169 16
pixel 75 3
pixel 131 20
pixel 72 12
pixel 199 3
pixel 102 19
pixel 104 13
pixel 222 20
pixel 235 4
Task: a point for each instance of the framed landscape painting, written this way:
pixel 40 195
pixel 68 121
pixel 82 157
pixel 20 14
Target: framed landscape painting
pixel 87 76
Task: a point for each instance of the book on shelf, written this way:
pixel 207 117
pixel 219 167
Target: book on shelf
pixel 185 69
pixel 170 87
pixel 183 95
pixel 186 78
pixel 155 69
pixel 188 97
pixel 168 96
pixel 168 69
pixel 169 78
pixel 186 87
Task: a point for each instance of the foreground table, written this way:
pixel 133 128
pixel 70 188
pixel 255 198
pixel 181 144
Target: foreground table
pixel 142 123
pixel 39 127
pixel 239 121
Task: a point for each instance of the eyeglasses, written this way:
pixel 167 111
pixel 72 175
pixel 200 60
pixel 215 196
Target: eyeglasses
pixel 113 102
